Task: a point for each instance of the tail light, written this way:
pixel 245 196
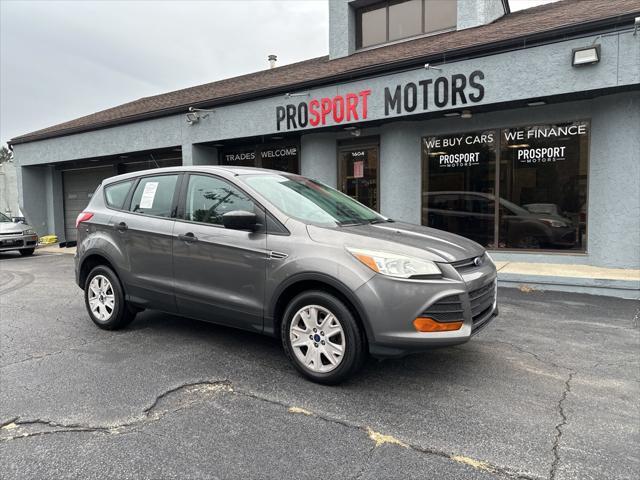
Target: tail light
pixel 83 217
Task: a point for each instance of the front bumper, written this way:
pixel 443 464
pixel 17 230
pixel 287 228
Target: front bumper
pixel 391 305
pixel 17 242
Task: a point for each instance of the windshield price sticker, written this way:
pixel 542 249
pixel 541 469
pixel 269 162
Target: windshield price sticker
pixel 148 195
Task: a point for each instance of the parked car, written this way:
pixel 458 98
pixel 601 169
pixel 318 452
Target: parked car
pixel 17 236
pixel 282 255
pixel 472 214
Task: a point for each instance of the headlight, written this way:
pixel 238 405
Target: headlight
pixel 395 265
pixel 553 223
pixel 28 231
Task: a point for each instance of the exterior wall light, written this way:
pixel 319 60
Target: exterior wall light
pixel 585 55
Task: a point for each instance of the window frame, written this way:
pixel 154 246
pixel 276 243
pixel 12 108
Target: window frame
pixel 126 198
pixel 584 251
pixel 174 201
pixel 386 4
pixel 264 216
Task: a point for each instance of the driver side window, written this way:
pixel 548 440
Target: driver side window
pixel 208 198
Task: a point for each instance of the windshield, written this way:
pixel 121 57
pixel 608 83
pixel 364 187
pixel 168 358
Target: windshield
pixel 4 218
pixel 311 201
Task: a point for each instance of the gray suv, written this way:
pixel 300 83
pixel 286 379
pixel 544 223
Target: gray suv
pixel 283 255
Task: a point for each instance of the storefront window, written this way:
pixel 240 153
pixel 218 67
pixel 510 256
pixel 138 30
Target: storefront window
pixel 532 179
pixel 543 176
pixel 458 178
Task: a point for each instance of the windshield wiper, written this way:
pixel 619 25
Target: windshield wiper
pixel 380 220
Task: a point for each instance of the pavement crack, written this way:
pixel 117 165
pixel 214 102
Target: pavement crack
pixel 185 395
pixel 544 361
pixel 381 439
pixel 189 394
pixel 559 427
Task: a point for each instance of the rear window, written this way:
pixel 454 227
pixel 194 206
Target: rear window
pixel 116 193
pixel 154 195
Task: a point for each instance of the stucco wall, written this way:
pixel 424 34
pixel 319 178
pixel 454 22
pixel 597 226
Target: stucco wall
pixel 472 13
pixel 342 29
pixel 9 189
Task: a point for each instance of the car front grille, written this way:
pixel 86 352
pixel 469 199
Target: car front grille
pixel 468 263
pixel 447 309
pixel 481 301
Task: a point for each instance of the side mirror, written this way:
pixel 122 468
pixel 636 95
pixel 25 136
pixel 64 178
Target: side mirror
pixel 240 220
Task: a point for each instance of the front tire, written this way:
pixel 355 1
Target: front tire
pixel 26 252
pixel 322 338
pixel 105 301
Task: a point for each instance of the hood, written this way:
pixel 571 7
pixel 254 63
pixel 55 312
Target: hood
pixel 400 237
pixel 11 227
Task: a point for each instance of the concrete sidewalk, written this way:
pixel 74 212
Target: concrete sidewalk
pixel 613 282
pixel 55 248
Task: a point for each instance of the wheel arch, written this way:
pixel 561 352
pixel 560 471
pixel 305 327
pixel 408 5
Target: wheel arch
pixel 313 281
pixel 92 260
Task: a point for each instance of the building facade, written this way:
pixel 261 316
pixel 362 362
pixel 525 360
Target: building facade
pixel 519 130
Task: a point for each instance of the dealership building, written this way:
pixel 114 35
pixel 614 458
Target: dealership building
pixel 520 130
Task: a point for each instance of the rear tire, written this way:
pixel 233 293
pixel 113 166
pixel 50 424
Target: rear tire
pixel 322 338
pixel 26 252
pixel 105 301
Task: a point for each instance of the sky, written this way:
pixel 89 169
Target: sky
pixel 60 60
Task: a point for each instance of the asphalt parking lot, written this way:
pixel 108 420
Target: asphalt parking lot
pixel 549 390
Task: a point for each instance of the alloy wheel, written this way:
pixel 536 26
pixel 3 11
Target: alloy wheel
pixel 101 298
pixel 317 339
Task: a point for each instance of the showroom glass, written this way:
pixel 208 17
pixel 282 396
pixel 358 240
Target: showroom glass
pixel 544 171
pixel 311 201
pixel 393 20
pixel 116 193
pixel 154 195
pixel 458 177
pixel 542 191
pixel 358 173
pixel 209 198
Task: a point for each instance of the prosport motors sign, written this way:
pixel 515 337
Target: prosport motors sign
pixel 456 90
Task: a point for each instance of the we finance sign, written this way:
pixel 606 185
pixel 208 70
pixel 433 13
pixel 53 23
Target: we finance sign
pixel 456 90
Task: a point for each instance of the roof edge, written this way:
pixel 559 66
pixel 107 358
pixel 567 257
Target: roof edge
pixel 549 36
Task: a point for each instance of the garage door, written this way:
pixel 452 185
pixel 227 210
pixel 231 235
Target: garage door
pixel 78 187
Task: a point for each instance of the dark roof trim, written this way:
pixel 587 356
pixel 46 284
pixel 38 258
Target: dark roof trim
pixel 516 43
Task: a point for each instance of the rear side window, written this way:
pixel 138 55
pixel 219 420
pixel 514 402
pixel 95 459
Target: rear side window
pixel 209 198
pixel 116 193
pixel 154 195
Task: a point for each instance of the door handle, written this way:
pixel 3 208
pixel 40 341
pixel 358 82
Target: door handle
pixel 121 227
pixel 188 237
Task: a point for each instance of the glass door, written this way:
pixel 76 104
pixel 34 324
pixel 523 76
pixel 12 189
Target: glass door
pixel 358 171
